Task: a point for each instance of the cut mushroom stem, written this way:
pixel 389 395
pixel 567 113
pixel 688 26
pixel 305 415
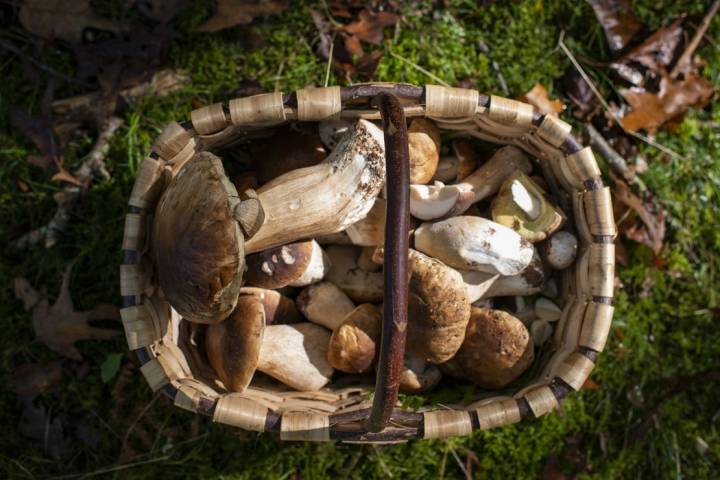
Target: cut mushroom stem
pixel 294 354
pixel 560 250
pixel 418 376
pixel 325 304
pixel 354 343
pixel 296 264
pixel 325 198
pixel 475 243
pixel 278 308
pixel 370 231
pixel 487 285
pixel 428 202
pixel 521 205
pixel 360 285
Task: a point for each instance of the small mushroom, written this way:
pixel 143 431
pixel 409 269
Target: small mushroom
pixel 278 308
pixel 560 249
pixel 331 131
pixel 294 354
pixel 370 231
pixel 541 331
pixel 287 150
pixel 424 149
pixel 496 351
pixel 296 264
pixel 324 198
pixel 353 344
pixel 487 285
pixel 521 205
pixel 418 376
pixel 447 169
pixel 467 159
pixel 325 304
pixel 475 243
pixel 360 285
pixel 546 310
pixel 428 202
pixel 438 308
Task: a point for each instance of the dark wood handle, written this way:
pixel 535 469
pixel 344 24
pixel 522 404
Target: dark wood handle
pixel 395 306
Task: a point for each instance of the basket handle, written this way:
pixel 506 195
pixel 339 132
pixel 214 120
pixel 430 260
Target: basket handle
pixel 395 289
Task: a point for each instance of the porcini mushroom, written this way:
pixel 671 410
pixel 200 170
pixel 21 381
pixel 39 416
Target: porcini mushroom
pixel 294 354
pixel 496 351
pixel 521 205
pixel 287 150
pixel 541 331
pixel 370 231
pixel 325 198
pixel 197 241
pixel 360 285
pixel 467 159
pixel 418 376
pixel 424 149
pixel 487 285
pixel 277 307
pixel 325 304
pixel 438 308
pixel 560 250
pixel 447 169
pixel 428 202
pixel 353 344
pixel 546 310
pixel 296 264
pixel 475 243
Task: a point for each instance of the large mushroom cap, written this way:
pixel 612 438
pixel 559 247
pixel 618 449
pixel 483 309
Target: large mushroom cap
pixel 233 346
pixel 197 243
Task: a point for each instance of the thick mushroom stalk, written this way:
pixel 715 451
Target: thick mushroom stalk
pixel 370 231
pixel 475 243
pixel 294 354
pixel 488 285
pixel 496 351
pixel 325 304
pixel 360 285
pixel 428 202
pixel 521 205
pixel 325 198
pixel 438 309
pixel 296 264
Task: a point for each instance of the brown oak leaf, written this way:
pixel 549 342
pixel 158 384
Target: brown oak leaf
pixel 231 13
pixel 538 97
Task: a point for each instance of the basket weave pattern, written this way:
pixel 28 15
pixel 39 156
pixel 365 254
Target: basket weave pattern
pixel 152 327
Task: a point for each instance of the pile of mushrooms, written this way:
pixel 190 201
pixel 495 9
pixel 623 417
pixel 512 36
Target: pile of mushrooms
pixel 280 269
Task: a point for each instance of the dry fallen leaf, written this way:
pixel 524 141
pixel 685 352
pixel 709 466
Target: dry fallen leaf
pixel 370 24
pixel 59 326
pixel 618 22
pixel 538 98
pixel 31 379
pixel 650 230
pixel 230 13
pixel 62 19
pixel 37 424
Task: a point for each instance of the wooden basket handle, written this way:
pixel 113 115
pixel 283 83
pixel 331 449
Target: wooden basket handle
pixel 395 306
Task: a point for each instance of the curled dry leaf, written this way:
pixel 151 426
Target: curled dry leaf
pixel 59 326
pixel 650 230
pixel 69 21
pixel 231 13
pixel 538 98
pixel 618 21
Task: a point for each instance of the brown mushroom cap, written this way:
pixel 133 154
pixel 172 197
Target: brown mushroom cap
pixel 424 149
pixel 418 376
pixel 497 349
pixel 197 243
pixel 278 308
pixel 281 266
pixel 288 150
pixel 233 346
pixel 353 344
pixel 438 310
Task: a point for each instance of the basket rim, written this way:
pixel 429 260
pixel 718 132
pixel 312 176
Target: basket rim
pixel 589 307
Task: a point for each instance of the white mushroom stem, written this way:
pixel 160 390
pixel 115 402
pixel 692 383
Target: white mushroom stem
pixel 560 250
pixel 296 355
pixel 370 231
pixel 325 304
pixel 325 198
pixel 475 243
pixel 360 285
pixel 488 285
pixel 438 201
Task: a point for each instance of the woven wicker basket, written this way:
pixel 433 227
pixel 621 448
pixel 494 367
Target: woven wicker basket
pixel 339 412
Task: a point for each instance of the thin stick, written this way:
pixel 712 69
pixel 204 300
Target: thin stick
pixel 606 106
pixel 697 38
pixel 329 62
pixel 613 158
pixel 496 68
pixel 420 69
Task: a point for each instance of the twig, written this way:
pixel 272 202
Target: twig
pixel 606 106
pixel 420 69
pixel 330 59
pixel 496 68
pixel 697 38
pixel 613 158
pixel 66 198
